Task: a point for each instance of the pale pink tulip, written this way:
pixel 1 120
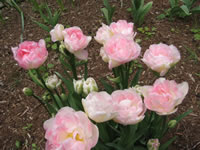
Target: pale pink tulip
pixel 75 42
pixel 129 106
pixel 164 96
pixel 56 33
pixel 30 55
pixel 103 34
pixel 121 49
pixel 161 57
pixel 70 130
pixel 122 27
pixel 99 106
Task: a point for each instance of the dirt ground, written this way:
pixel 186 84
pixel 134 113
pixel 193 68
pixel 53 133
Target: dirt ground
pixel 17 110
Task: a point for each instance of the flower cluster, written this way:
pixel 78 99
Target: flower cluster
pixel 118 45
pixel 74 40
pixel 126 104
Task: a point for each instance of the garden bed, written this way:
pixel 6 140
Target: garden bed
pixel 18 111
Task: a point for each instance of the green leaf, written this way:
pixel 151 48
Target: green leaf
pixel 68 83
pixel 105 13
pixel 144 11
pixel 49 66
pixel 58 100
pixel 44 27
pixel 167 144
pixel 161 16
pixel 172 3
pixel 114 146
pixel 80 63
pixel 195 30
pixel 107 86
pixel 65 64
pixel 129 9
pixel 35 78
pixel 72 102
pixel 54 46
pixel 136 77
pixel 47 40
pixel 28 126
pixel 195 10
pixel 197 36
pixel 180 117
pixel 185 10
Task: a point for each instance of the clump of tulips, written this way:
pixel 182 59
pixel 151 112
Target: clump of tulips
pixel 126 116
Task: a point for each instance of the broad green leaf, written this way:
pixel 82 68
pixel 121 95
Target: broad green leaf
pixel 196 10
pixel 105 12
pixel 186 10
pixel 145 10
pixel 161 16
pixel 136 77
pixel 107 86
pixel 68 83
pixel 172 3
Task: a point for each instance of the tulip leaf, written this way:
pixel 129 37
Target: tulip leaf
pixel 35 79
pixel 43 26
pixel 180 117
pixel 107 86
pixel 166 145
pixel 68 83
pixel 115 146
pixel 136 77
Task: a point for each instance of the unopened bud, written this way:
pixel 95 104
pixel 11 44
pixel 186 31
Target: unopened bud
pixel 89 86
pixel 64 97
pixel 172 123
pixel 153 144
pixel 28 91
pixel 53 82
pixel 78 86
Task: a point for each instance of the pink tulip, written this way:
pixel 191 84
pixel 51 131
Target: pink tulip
pixel 164 96
pixel 121 49
pixel 56 33
pixel 75 42
pixel 161 57
pixel 30 55
pixel 129 106
pixel 103 34
pixel 99 106
pixel 70 130
pixel 122 27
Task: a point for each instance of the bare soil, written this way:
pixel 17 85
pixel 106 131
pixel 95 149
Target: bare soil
pixel 17 110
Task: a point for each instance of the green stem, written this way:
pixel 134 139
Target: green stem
pixel 72 63
pixel 43 82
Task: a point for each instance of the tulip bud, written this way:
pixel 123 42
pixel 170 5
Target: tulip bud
pixel 89 86
pixel 172 123
pixel 53 82
pixel 153 144
pixel 64 97
pixel 28 91
pixel 78 86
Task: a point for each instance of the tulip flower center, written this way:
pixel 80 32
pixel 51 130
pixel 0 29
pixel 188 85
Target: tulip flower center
pixel 74 135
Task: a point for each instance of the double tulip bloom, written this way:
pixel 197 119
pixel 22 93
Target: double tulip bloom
pixel 123 106
pixel 74 40
pixel 71 130
pixel 161 57
pixel 30 54
pixel 118 45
